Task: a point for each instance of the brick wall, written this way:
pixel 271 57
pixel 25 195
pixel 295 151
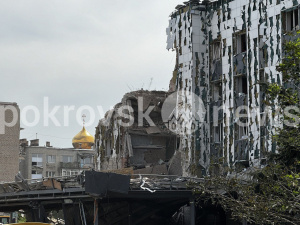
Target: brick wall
pixel 9 146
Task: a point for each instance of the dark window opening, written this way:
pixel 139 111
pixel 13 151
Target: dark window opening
pixel 244 85
pixel 292 20
pixel 239 43
pixel 243 43
pixel 262 76
pixel 296 14
pixel 241 85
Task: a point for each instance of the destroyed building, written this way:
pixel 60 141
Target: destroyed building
pixel 9 139
pixel 226 53
pixel 144 147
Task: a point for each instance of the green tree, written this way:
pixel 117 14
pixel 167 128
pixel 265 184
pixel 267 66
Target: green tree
pixel 21 218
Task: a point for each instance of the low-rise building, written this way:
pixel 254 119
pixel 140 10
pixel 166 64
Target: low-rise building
pixel 47 161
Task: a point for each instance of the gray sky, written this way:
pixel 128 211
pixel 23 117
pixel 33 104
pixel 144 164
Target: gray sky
pixel 79 53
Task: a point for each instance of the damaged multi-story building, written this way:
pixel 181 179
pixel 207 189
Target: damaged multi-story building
pixel 227 53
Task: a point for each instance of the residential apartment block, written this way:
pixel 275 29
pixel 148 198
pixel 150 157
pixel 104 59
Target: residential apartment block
pixel 38 161
pixel 226 53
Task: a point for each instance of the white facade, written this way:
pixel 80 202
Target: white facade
pixel 227 51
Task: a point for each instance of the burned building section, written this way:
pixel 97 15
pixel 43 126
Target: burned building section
pixel 227 51
pixel 127 139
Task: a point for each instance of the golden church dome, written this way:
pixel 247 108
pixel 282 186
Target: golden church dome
pixel 83 140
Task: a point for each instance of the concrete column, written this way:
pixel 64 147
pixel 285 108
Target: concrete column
pixel 38 213
pixel 96 212
pixel 192 211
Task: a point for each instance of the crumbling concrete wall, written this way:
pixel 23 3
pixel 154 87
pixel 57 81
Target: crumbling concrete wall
pixel 235 46
pixel 139 144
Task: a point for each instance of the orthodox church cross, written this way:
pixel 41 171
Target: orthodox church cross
pixel 83 119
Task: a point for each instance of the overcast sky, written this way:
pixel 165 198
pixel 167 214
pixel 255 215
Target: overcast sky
pixel 80 52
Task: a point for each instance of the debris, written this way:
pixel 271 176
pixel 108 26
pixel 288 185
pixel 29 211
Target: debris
pixel 144 182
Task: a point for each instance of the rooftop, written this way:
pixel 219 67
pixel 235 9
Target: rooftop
pixel 8 103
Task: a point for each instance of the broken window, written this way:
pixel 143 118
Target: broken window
pixel 240 43
pixel 67 158
pixel 215 50
pixel 51 159
pixel 215 60
pixel 241 123
pixel 218 133
pixel 216 89
pixel 242 131
pixel 241 85
pixel 37 160
pixel 292 20
pixel 262 78
pixel 262 97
